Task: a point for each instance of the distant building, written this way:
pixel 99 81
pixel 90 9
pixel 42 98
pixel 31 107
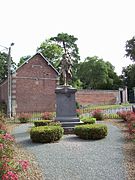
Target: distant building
pixel 32 86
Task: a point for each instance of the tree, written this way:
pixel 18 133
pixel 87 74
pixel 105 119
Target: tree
pixel 128 76
pixel 4 65
pixel 51 51
pixel 68 44
pixel 130 48
pixel 94 73
pixel 113 81
pixel 23 59
pixel 54 48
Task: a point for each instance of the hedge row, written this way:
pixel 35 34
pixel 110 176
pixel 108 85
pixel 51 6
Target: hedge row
pixel 88 120
pixel 46 123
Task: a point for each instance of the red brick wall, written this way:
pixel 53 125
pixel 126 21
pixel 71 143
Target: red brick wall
pixel 34 86
pixel 85 97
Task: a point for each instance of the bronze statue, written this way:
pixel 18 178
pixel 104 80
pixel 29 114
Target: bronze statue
pixel 66 68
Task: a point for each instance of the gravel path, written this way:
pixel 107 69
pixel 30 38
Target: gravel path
pixel 75 159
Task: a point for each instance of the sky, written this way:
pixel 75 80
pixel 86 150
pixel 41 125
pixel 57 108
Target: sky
pixel 101 26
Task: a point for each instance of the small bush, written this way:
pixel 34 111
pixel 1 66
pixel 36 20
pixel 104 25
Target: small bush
pixel 46 134
pixel 3 107
pixel 123 115
pixel 47 115
pixel 91 131
pixel 78 112
pixel 77 105
pixel 88 120
pixel 111 116
pixel 46 123
pixel 2 118
pixel 24 117
pixel 98 114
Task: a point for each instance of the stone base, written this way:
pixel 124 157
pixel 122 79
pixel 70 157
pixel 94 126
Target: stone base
pixel 69 126
pixel 67 119
pixel 66 108
pixel 68 130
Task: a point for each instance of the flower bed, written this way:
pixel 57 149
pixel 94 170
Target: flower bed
pixel 129 118
pixel 47 115
pixel 98 114
pixel 24 117
pixel 9 167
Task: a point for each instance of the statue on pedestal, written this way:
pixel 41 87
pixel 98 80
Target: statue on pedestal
pixel 65 97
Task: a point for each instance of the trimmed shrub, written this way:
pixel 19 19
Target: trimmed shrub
pixel 46 134
pixel 98 114
pixel 46 123
pixel 91 131
pixel 88 120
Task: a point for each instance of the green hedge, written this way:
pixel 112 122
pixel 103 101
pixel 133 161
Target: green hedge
pixel 88 120
pixel 46 123
pixel 46 134
pixel 91 131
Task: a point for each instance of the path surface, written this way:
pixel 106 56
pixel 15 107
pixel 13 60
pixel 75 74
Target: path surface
pixel 76 159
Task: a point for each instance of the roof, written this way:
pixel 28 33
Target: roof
pixel 38 53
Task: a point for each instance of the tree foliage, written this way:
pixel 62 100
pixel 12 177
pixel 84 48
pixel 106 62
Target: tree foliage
pixel 128 76
pixel 23 59
pixel 68 44
pixel 94 73
pixel 51 51
pixel 130 48
pixel 4 65
pixel 55 47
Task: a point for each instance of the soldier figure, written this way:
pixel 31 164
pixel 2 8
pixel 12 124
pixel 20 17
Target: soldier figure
pixel 66 68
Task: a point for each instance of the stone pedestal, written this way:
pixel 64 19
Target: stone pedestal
pixel 66 107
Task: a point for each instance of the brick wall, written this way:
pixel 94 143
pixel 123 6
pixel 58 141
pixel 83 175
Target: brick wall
pixel 35 84
pixel 85 97
pixel 33 87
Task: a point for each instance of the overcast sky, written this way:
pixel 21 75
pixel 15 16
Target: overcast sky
pixel 101 26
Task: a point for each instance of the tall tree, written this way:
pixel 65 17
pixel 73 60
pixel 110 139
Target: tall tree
pixel 68 44
pixel 55 47
pixel 130 48
pixel 113 81
pixel 4 65
pixel 96 74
